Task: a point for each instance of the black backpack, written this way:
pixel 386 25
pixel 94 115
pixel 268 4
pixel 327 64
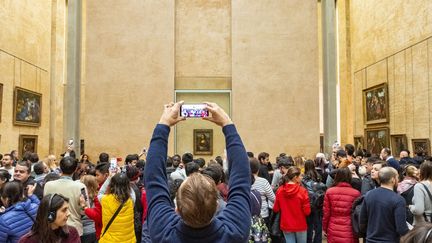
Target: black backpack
pixel 408 196
pixel 355 217
pixel 316 192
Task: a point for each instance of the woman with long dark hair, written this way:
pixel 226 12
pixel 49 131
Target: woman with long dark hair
pixel 292 201
pixel 118 197
pixel 312 181
pixel 17 219
pixel 338 201
pixel 50 224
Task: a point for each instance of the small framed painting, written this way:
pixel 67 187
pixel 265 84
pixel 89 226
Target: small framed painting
pixel 27 143
pixel 421 145
pixel 399 142
pixel 375 104
pixel 27 107
pixel 377 139
pixel 203 141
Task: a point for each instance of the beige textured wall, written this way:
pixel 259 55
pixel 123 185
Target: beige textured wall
pixel 390 43
pixel 275 75
pixel 25 42
pixel 129 73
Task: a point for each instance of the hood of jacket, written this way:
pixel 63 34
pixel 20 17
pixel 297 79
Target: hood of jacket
pixel 290 190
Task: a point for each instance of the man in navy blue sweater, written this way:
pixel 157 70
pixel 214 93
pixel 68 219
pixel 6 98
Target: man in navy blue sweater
pixel 194 218
pixel 383 210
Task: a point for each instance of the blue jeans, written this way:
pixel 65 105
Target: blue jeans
pixel 295 237
pixel 314 222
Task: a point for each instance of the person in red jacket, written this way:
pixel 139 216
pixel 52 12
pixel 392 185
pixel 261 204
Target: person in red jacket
pixel 338 201
pixel 292 201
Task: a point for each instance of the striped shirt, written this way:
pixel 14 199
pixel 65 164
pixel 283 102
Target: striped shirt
pixel 267 195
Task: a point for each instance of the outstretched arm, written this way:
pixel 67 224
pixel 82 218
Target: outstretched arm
pixel 160 211
pixel 237 212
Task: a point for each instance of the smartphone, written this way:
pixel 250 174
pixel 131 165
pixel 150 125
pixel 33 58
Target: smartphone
pixel 84 193
pixel 113 165
pixel 194 110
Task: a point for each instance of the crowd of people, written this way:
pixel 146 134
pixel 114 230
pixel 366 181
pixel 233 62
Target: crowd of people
pixel 237 197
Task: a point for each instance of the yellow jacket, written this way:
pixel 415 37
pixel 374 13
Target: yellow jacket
pixel 122 228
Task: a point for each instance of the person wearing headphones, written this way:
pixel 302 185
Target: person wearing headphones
pixel 51 222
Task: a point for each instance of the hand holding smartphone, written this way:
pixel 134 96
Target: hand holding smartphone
pixel 194 111
pixel 113 166
pixel 85 196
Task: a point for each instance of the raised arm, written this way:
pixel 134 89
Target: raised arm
pixel 237 212
pixel 160 211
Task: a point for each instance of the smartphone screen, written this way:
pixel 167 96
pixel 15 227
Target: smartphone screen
pixel 194 110
pixel 84 193
pixel 113 165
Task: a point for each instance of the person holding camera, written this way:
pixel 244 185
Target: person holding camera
pixel 194 218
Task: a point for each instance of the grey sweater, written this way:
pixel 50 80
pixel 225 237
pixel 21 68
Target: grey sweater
pixel 421 202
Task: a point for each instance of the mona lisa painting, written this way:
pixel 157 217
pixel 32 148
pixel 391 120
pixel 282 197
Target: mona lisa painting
pixel 203 141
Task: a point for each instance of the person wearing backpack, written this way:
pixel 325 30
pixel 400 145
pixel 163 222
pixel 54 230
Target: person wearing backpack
pixel 337 208
pixel 406 188
pixel 422 200
pixel 312 181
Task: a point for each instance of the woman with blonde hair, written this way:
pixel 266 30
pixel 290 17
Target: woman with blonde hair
pixel 89 230
pixel 53 164
pixel 406 188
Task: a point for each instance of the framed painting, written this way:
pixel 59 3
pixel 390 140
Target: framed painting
pixel 375 104
pixel 358 142
pixel 1 100
pixel 203 141
pixel 377 139
pixel 399 142
pixel 27 143
pixel 421 145
pixel 27 107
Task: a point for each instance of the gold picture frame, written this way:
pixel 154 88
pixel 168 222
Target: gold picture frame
pixel 422 144
pixel 375 104
pixel 27 109
pixel 376 139
pixel 399 142
pixel 27 143
pixel 203 141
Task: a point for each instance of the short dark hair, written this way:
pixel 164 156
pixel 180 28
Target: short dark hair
pixel 359 153
pixel 263 155
pixel 387 151
pixel 26 164
pixel 219 160
pixel 214 171
pixel 132 172
pixel 34 158
pixel 284 162
pixel 68 165
pixel 187 157
pixel 103 167
pixel 13 191
pixel 191 167
pixel 4 175
pixel 200 162
pixel 131 157
pixel 349 148
pixel 4 155
pixel 254 165
pixel 169 161
pixel 38 168
pixel 176 159
pixel 26 156
pixel 250 154
pixel 103 157
pixel 341 153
